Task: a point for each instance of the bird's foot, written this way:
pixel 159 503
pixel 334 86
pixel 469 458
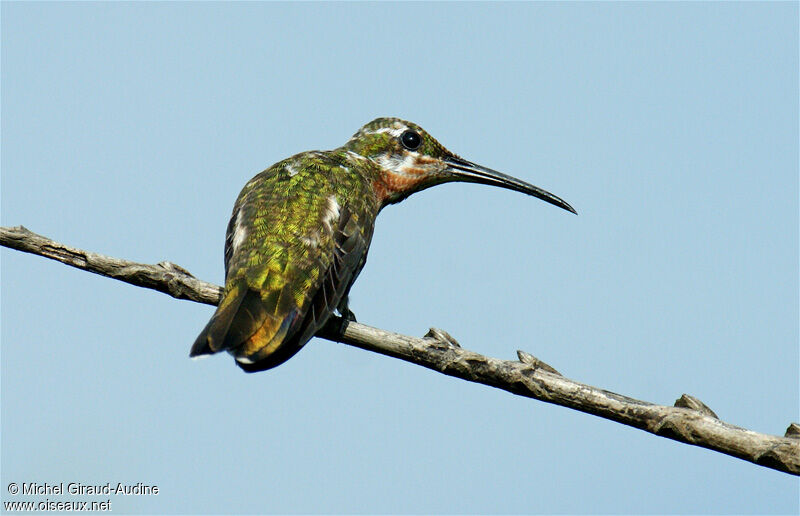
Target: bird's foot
pixel 344 310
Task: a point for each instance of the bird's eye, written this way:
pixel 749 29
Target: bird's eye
pixel 410 140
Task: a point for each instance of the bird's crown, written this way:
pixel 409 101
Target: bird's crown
pixel 393 137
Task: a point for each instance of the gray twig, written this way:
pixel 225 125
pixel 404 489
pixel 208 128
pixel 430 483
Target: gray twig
pixel 690 421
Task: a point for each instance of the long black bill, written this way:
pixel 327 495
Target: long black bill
pixel 464 170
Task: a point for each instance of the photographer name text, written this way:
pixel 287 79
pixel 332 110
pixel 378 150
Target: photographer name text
pixel 78 488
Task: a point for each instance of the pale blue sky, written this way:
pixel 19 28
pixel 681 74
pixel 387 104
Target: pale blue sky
pixel 129 129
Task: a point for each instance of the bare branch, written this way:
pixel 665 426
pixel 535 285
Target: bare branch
pixel 689 421
pixel 165 277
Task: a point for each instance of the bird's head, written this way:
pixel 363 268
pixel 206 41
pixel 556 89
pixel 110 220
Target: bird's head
pixel 411 160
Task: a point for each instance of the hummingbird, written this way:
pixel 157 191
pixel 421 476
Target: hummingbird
pixel 300 231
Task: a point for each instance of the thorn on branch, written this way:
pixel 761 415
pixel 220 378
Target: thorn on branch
pixel 690 402
pixel 174 268
pixel 527 358
pixel 442 336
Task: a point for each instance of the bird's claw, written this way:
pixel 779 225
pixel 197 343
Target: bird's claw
pixel 349 316
pixel 344 310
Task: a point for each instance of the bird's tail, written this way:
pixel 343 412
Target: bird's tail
pixel 245 326
pixel 217 335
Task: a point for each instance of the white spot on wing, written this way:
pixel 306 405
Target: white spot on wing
pixel 312 240
pixel 245 360
pixel 239 232
pixel 331 212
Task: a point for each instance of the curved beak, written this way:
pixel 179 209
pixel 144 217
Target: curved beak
pixel 465 171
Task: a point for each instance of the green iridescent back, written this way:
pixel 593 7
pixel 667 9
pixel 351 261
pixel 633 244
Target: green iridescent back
pixel 296 241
